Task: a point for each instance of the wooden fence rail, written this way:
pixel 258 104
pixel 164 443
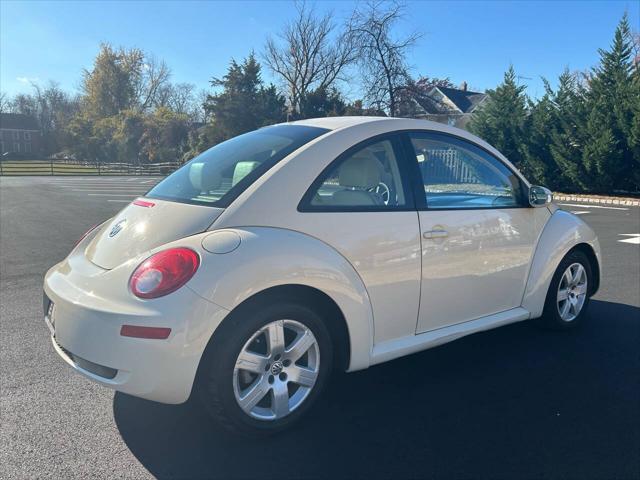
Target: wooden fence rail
pixel 65 167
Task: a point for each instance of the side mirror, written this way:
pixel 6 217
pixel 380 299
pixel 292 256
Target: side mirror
pixel 539 196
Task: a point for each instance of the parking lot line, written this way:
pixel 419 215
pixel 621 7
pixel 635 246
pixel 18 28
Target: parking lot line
pixel 98 185
pixel 130 195
pixel 102 180
pixel 634 238
pixel 101 189
pixel 99 180
pixel 67 182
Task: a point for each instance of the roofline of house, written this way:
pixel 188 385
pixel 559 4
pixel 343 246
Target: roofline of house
pixel 445 96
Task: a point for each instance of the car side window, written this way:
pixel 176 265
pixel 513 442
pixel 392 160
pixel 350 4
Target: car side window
pixel 367 178
pixel 458 175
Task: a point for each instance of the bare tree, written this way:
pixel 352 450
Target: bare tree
pixel 149 78
pixel 54 110
pixel 200 112
pixel 5 102
pixel 183 98
pixel 381 57
pixel 23 103
pixel 309 54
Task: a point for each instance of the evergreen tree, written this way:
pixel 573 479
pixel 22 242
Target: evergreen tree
pixel 164 136
pixel 634 127
pixel 244 104
pixel 536 149
pixel 502 121
pixel 322 103
pixel 567 135
pixel 357 109
pixel 611 154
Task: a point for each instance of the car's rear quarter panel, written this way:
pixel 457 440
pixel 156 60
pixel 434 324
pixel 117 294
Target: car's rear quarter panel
pixel 270 257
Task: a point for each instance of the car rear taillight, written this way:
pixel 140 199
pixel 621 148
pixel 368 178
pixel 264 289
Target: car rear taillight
pixel 164 272
pixel 86 233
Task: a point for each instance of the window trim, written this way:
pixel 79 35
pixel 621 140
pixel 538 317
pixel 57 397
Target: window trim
pixel 395 138
pixel 418 184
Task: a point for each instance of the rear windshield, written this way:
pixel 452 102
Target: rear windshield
pixel 216 177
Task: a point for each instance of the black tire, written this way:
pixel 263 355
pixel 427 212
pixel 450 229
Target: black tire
pixel 551 318
pixel 215 377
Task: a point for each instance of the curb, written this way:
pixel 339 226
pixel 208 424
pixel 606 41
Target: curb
pixel 624 202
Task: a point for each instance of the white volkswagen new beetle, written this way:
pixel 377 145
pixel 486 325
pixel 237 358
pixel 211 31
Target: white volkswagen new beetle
pixel 268 260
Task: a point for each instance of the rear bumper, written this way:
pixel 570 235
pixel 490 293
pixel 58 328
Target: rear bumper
pixel 86 334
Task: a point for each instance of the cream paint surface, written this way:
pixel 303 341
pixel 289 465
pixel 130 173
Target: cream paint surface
pixel 480 268
pixel 368 263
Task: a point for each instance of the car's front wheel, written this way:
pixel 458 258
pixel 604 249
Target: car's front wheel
pixel 265 367
pixel 568 295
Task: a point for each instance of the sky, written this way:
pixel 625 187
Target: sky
pixel 472 41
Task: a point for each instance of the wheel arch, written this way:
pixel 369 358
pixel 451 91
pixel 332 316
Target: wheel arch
pixel 563 233
pixel 307 296
pixel 273 263
pixel 595 264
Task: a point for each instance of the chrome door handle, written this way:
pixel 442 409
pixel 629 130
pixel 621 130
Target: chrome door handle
pixel 435 234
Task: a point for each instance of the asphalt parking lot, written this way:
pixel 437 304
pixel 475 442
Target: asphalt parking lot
pixel 515 402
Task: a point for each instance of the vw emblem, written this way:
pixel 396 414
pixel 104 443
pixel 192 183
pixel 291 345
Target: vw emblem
pixel 276 368
pixel 116 228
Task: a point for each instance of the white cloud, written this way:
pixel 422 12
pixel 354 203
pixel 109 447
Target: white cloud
pixel 27 79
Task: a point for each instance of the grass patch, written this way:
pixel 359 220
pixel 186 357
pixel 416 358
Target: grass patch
pixel 43 167
pixel 46 167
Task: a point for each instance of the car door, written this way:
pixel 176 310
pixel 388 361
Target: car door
pixel 478 233
pixel 362 205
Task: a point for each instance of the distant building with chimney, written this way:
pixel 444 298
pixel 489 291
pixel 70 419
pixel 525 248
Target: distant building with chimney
pixel 19 134
pixel 452 106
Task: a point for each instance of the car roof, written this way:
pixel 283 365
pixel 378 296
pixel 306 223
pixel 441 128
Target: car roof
pixel 335 123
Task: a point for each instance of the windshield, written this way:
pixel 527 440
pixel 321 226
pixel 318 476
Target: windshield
pixel 216 177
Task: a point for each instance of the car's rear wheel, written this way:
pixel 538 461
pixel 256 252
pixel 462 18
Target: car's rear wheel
pixel 568 295
pixel 265 367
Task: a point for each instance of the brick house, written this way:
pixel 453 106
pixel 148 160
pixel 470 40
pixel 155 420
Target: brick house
pixel 19 134
pixel 452 106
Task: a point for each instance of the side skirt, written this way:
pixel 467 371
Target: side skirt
pixel 400 347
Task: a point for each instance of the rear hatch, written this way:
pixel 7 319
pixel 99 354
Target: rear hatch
pixel 139 228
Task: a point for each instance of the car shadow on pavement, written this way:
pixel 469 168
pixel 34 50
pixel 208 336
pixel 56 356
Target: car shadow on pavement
pixel 509 403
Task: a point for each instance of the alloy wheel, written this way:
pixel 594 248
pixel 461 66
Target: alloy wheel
pixel 572 292
pixel 276 370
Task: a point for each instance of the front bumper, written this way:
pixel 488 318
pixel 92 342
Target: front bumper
pixel 90 307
